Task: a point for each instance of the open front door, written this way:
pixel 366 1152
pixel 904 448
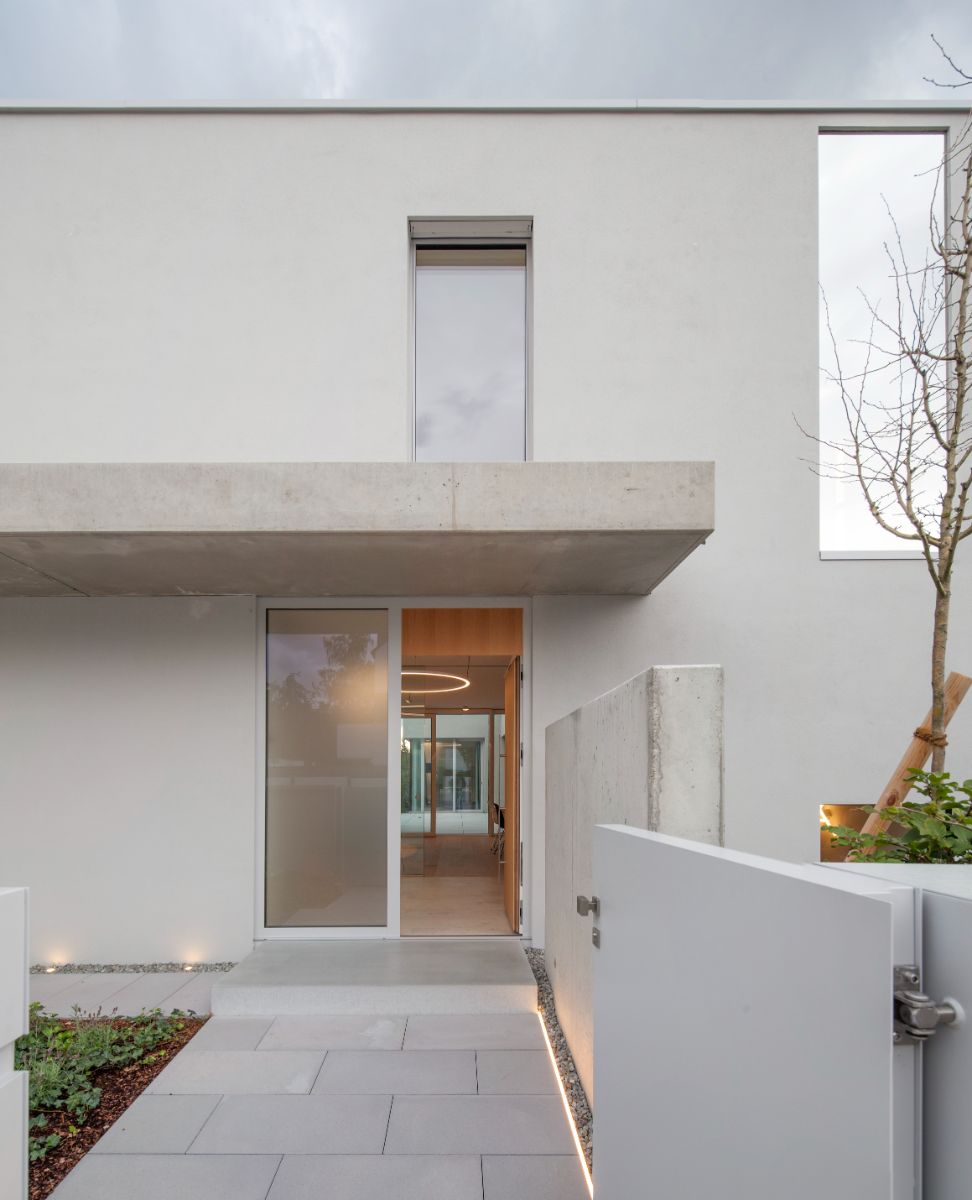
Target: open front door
pixel 511 817
pixel 743 1027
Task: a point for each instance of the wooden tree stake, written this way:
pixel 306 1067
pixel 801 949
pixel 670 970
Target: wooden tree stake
pixel 917 754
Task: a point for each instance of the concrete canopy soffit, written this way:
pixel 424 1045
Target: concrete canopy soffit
pixel 319 529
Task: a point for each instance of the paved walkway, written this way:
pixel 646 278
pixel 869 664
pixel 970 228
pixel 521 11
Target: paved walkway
pixel 127 991
pixel 428 1107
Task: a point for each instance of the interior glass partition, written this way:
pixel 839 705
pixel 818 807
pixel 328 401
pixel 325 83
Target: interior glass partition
pixel 327 768
pixel 416 792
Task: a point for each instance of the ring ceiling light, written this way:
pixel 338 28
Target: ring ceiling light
pixel 455 683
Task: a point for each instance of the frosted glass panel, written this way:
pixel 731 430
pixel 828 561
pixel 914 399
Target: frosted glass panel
pixel 470 355
pixel 327 767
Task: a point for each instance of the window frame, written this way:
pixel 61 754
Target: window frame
pixel 477 233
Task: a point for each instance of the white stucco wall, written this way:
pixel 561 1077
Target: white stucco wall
pixel 127 781
pixel 235 287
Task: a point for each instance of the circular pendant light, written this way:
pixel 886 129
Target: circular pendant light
pixel 453 683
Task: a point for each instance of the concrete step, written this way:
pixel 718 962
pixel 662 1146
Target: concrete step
pixel 388 978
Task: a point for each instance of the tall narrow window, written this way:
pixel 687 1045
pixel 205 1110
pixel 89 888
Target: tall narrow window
pixel 470 353
pixel 877 192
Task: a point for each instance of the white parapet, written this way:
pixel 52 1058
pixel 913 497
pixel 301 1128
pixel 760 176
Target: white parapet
pixel 647 754
pixel 13 1023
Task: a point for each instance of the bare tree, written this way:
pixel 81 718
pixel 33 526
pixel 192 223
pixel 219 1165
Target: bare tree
pixel 909 445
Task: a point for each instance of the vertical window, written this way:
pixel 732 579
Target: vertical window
pixel 875 188
pixel 470 352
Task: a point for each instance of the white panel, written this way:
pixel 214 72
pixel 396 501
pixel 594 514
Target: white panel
pixel 13 964
pixel 947 971
pixel 13 1022
pixel 946 960
pixel 743 1027
pixel 13 1135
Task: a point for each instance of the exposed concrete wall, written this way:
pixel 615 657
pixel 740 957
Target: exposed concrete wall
pixel 13 1023
pixel 127 783
pixel 648 754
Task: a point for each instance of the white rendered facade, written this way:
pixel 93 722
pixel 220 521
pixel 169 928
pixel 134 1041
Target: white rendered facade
pixel 206 287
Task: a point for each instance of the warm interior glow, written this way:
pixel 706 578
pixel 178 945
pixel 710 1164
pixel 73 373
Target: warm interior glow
pixel 458 683
pixel 50 970
pixel 566 1103
pixel 824 815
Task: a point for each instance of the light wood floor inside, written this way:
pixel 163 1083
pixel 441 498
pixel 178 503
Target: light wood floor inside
pixel 459 890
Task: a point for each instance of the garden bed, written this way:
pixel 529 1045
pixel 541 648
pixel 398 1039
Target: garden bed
pixel 85 1072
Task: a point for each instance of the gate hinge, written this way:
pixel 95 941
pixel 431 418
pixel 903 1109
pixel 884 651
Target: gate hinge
pixel 917 1016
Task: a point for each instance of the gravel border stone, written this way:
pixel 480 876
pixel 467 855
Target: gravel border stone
pixel 128 968
pixel 576 1097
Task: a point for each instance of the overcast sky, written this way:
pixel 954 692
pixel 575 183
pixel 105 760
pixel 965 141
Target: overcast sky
pixel 143 50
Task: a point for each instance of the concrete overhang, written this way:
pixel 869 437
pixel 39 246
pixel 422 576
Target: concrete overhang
pixel 349 529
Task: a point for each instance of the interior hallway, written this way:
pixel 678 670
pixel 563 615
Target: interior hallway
pixel 460 890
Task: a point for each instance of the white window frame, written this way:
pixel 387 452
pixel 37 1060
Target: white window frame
pixel 393 605
pixel 470 231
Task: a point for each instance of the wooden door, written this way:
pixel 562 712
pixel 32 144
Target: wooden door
pixel 511 812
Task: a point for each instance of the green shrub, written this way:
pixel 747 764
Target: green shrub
pixel 63 1057
pixel 935 829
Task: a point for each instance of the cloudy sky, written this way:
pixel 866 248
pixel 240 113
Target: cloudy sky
pixel 144 50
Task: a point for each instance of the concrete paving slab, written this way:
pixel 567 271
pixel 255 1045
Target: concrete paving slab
pixel 230 1033
pixel 533 1177
pixel 477 1125
pixel 239 1072
pixel 146 991
pixel 157 1125
pixel 334 1033
pixel 195 996
pixel 385 978
pixel 91 992
pixel 378 1177
pixel 45 987
pixel 489 1031
pixel 515 1073
pixel 398 1072
pixel 169 1177
pixel 296 1125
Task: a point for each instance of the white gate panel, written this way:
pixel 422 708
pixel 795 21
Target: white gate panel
pixel 945 894
pixel 743 1027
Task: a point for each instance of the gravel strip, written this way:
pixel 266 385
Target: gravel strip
pixel 579 1107
pixel 139 968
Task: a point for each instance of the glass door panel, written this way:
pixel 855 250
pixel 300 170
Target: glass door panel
pixel 327 768
pixel 416 815
pixel 462 773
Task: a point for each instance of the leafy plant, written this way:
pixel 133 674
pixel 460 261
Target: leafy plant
pixel 64 1056
pixel 935 829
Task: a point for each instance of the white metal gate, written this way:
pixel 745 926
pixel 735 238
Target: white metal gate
pixel 743 1027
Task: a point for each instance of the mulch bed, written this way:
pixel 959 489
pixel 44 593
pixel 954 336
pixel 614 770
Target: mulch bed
pixel 119 1087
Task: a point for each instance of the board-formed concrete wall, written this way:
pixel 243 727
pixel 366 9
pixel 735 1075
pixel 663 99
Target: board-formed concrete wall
pixel 648 754
pixel 13 1023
